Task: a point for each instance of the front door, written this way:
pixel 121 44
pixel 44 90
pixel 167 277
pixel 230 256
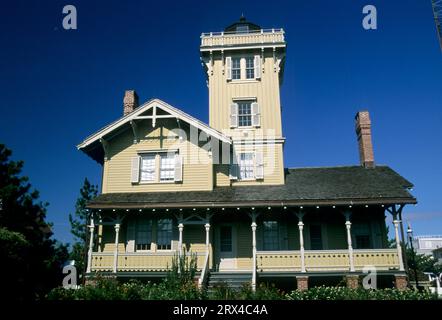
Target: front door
pixel 226 247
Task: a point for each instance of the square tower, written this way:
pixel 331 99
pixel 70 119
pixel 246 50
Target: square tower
pixel 244 65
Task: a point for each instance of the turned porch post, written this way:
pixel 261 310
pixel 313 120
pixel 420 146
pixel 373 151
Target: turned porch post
pixel 91 244
pixel 398 243
pixel 253 225
pixel 207 226
pixel 301 240
pixel 180 239
pixel 350 247
pixel 117 231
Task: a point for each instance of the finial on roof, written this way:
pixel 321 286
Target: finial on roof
pixel 242 18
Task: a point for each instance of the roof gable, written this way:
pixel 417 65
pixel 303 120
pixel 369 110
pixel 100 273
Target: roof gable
pixel 150 107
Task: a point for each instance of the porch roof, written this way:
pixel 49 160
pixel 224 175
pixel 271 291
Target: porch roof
pixel 347 185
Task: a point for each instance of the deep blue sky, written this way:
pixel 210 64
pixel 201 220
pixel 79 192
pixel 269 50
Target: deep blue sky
pixel 58 86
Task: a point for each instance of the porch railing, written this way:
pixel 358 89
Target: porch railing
pixel 139 261
pixel 204 272
pixel 326 260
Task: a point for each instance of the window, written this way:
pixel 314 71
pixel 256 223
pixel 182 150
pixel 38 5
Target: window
pixel 226 239
pixel 143 236
pixel 244 114
pixel 246 166
pixel 250 68
pixel 271 235
pixel 157 167
pixel 164 234
pixel 167 167
pixel 236 68
pixel 148 167
pixel 316 237
pixel 247 67
pixel 242 28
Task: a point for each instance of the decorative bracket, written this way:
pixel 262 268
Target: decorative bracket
pixel 134 130
pixel 105 145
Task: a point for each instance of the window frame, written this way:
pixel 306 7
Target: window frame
pixel 171 159
pixel 143 157
pixel 251 165
pixel 275 243
pixel 241 104
pixel 154 224
pixel 137 230
pixel 157 161
pixel 236 68
pixel 243 68
pixel 248 68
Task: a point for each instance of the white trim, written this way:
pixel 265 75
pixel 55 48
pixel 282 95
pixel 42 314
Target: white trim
pixel 143 108
pixel 239 141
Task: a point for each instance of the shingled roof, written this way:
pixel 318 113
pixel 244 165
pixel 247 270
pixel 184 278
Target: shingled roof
pixel 304 186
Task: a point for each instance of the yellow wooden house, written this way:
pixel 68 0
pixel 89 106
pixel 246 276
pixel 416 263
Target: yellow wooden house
pixel 172 184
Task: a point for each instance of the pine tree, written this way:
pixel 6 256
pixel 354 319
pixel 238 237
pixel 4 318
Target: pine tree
pixel 79 222
pixel 31 260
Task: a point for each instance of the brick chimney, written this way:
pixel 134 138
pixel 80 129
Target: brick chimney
pixel 363 132
pixel 130 101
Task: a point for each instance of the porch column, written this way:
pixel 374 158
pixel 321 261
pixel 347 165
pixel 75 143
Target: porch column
pixel 350 247
pixel 91 244
pixel 398 243
pixel 301 240
pixel 180 239
pixel 117 231
pixel 207 226
pixel 253 225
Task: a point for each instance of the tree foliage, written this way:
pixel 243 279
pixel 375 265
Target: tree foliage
pixel 79 221
pixel 31 260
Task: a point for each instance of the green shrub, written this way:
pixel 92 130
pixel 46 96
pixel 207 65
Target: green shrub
pixel 222 291
pixel 343 293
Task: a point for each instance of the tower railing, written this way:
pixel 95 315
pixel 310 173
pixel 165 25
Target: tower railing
pixel 230 38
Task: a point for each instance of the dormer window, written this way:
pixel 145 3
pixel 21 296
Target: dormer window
pixel 157 167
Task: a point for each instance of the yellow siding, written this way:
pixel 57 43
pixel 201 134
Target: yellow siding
pixel 265 90
pixel 273 168
pixel 273 165
pixel 197 168
pixel 222 175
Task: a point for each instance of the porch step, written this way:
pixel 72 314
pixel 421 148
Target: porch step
pixel 233 279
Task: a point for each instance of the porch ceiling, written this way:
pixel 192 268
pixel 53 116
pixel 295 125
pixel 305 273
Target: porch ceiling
pixel 350 185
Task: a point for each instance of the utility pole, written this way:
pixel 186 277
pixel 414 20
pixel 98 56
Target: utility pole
pixel 437 12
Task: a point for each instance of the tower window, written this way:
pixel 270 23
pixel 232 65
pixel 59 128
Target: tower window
pixel 246 166
pixel 236 68
pixel 250 68
pixel 244 114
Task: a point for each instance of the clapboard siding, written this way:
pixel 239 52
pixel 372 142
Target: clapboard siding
pixel 197 167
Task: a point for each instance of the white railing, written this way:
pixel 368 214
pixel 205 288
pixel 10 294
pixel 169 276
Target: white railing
pixel 204 272
pixel 263 36
pixel 326 260
pixel 139 261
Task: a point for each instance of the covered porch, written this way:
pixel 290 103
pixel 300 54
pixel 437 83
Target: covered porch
pixel 261 241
